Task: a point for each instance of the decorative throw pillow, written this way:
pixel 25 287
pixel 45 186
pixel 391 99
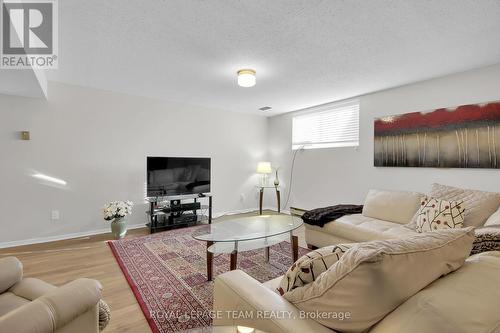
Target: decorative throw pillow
pixel 104 315
pixel 480 204
pixel 494 219
pixel 437 214
pixel 373 278
pixel 308 267
pixel 487 239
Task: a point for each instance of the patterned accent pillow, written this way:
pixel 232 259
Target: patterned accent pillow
pixel 308 267
pixel 437 214
pixel 487 239
pixel 480 204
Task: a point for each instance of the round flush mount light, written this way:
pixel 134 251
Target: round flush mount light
pixel 246 78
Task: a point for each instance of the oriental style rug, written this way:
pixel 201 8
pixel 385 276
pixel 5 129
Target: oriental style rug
pixel 167 274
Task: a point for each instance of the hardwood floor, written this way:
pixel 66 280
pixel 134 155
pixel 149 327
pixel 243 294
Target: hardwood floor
pixel 63 261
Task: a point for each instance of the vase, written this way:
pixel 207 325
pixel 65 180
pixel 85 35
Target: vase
pixel 276 180
pixel 119 227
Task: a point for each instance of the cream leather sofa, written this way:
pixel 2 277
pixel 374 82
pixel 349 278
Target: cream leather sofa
pixel 466 300
pixel 30 305
pixel 384 216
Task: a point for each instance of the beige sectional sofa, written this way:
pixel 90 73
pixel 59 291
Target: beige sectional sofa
pixel 386 214
pixel 354 228
pixel 466 300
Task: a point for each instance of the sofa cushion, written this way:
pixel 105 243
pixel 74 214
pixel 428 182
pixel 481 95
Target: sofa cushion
pixel 32 288
pixel 466 300
pixel 371 279
pixel 479 205
pixel 273 284
pixel 309 267
pixel 437 214
pixel 11 272
pixel 494 219
pixel 10 301
pixel 392 206
pixel 360 228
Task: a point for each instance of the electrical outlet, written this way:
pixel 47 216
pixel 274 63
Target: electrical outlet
pixel 55 215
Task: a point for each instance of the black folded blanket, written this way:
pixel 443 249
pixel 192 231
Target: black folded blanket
pixel 321 216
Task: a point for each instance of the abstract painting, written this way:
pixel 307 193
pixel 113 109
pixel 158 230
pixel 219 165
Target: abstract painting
pixel 467 136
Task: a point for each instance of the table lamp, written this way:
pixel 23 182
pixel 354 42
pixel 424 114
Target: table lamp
pixel 264 168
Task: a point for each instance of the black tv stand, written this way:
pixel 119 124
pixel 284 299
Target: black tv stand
pixel 170 212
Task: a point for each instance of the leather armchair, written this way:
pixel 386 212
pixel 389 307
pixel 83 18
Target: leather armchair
pixel 30 305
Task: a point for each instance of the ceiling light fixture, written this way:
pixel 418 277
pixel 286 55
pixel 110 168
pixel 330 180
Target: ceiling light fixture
pixel 246 78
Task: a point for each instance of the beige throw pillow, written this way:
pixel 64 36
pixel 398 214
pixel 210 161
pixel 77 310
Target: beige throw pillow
pixel 309 267
pixel 435 214
pixel 480 205
pixel 494 219
pixel 393 206
pixel 373 278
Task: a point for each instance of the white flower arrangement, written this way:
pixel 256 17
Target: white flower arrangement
pixel 117 209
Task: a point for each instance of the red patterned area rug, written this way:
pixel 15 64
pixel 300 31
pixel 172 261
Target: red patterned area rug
pixel 167 273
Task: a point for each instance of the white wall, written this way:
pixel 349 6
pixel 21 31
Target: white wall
pixel 98 141
pixel 343 175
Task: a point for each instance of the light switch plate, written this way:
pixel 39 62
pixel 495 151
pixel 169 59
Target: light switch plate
pixel 55 215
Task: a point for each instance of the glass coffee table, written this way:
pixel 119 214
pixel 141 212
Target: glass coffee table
pixel 248 233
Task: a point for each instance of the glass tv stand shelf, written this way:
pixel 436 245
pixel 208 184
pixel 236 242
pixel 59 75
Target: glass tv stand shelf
pixel 169 212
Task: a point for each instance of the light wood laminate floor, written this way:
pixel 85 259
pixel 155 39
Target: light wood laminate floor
pixel 63 261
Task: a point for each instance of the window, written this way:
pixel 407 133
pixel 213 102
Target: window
pixel 329 125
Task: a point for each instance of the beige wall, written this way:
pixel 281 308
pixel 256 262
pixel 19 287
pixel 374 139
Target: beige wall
pixel 98 141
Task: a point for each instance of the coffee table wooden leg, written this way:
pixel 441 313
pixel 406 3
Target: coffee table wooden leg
pixel 234 259
pixel 267 253
pixel 295 247
pixel 210 259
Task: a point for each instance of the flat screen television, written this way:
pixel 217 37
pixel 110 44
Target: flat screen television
pixel 170 176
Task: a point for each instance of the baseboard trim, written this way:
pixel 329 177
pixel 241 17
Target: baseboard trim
pixel 242 211
pixel 48 239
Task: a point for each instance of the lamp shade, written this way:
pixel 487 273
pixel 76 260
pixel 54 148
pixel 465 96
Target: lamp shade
pixel 264 167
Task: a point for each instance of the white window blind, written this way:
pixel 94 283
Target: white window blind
pixel 329 125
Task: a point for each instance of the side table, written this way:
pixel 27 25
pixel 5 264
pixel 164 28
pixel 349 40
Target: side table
pixel 261 196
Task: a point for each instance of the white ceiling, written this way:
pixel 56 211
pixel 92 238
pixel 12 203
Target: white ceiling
pixel 305 52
